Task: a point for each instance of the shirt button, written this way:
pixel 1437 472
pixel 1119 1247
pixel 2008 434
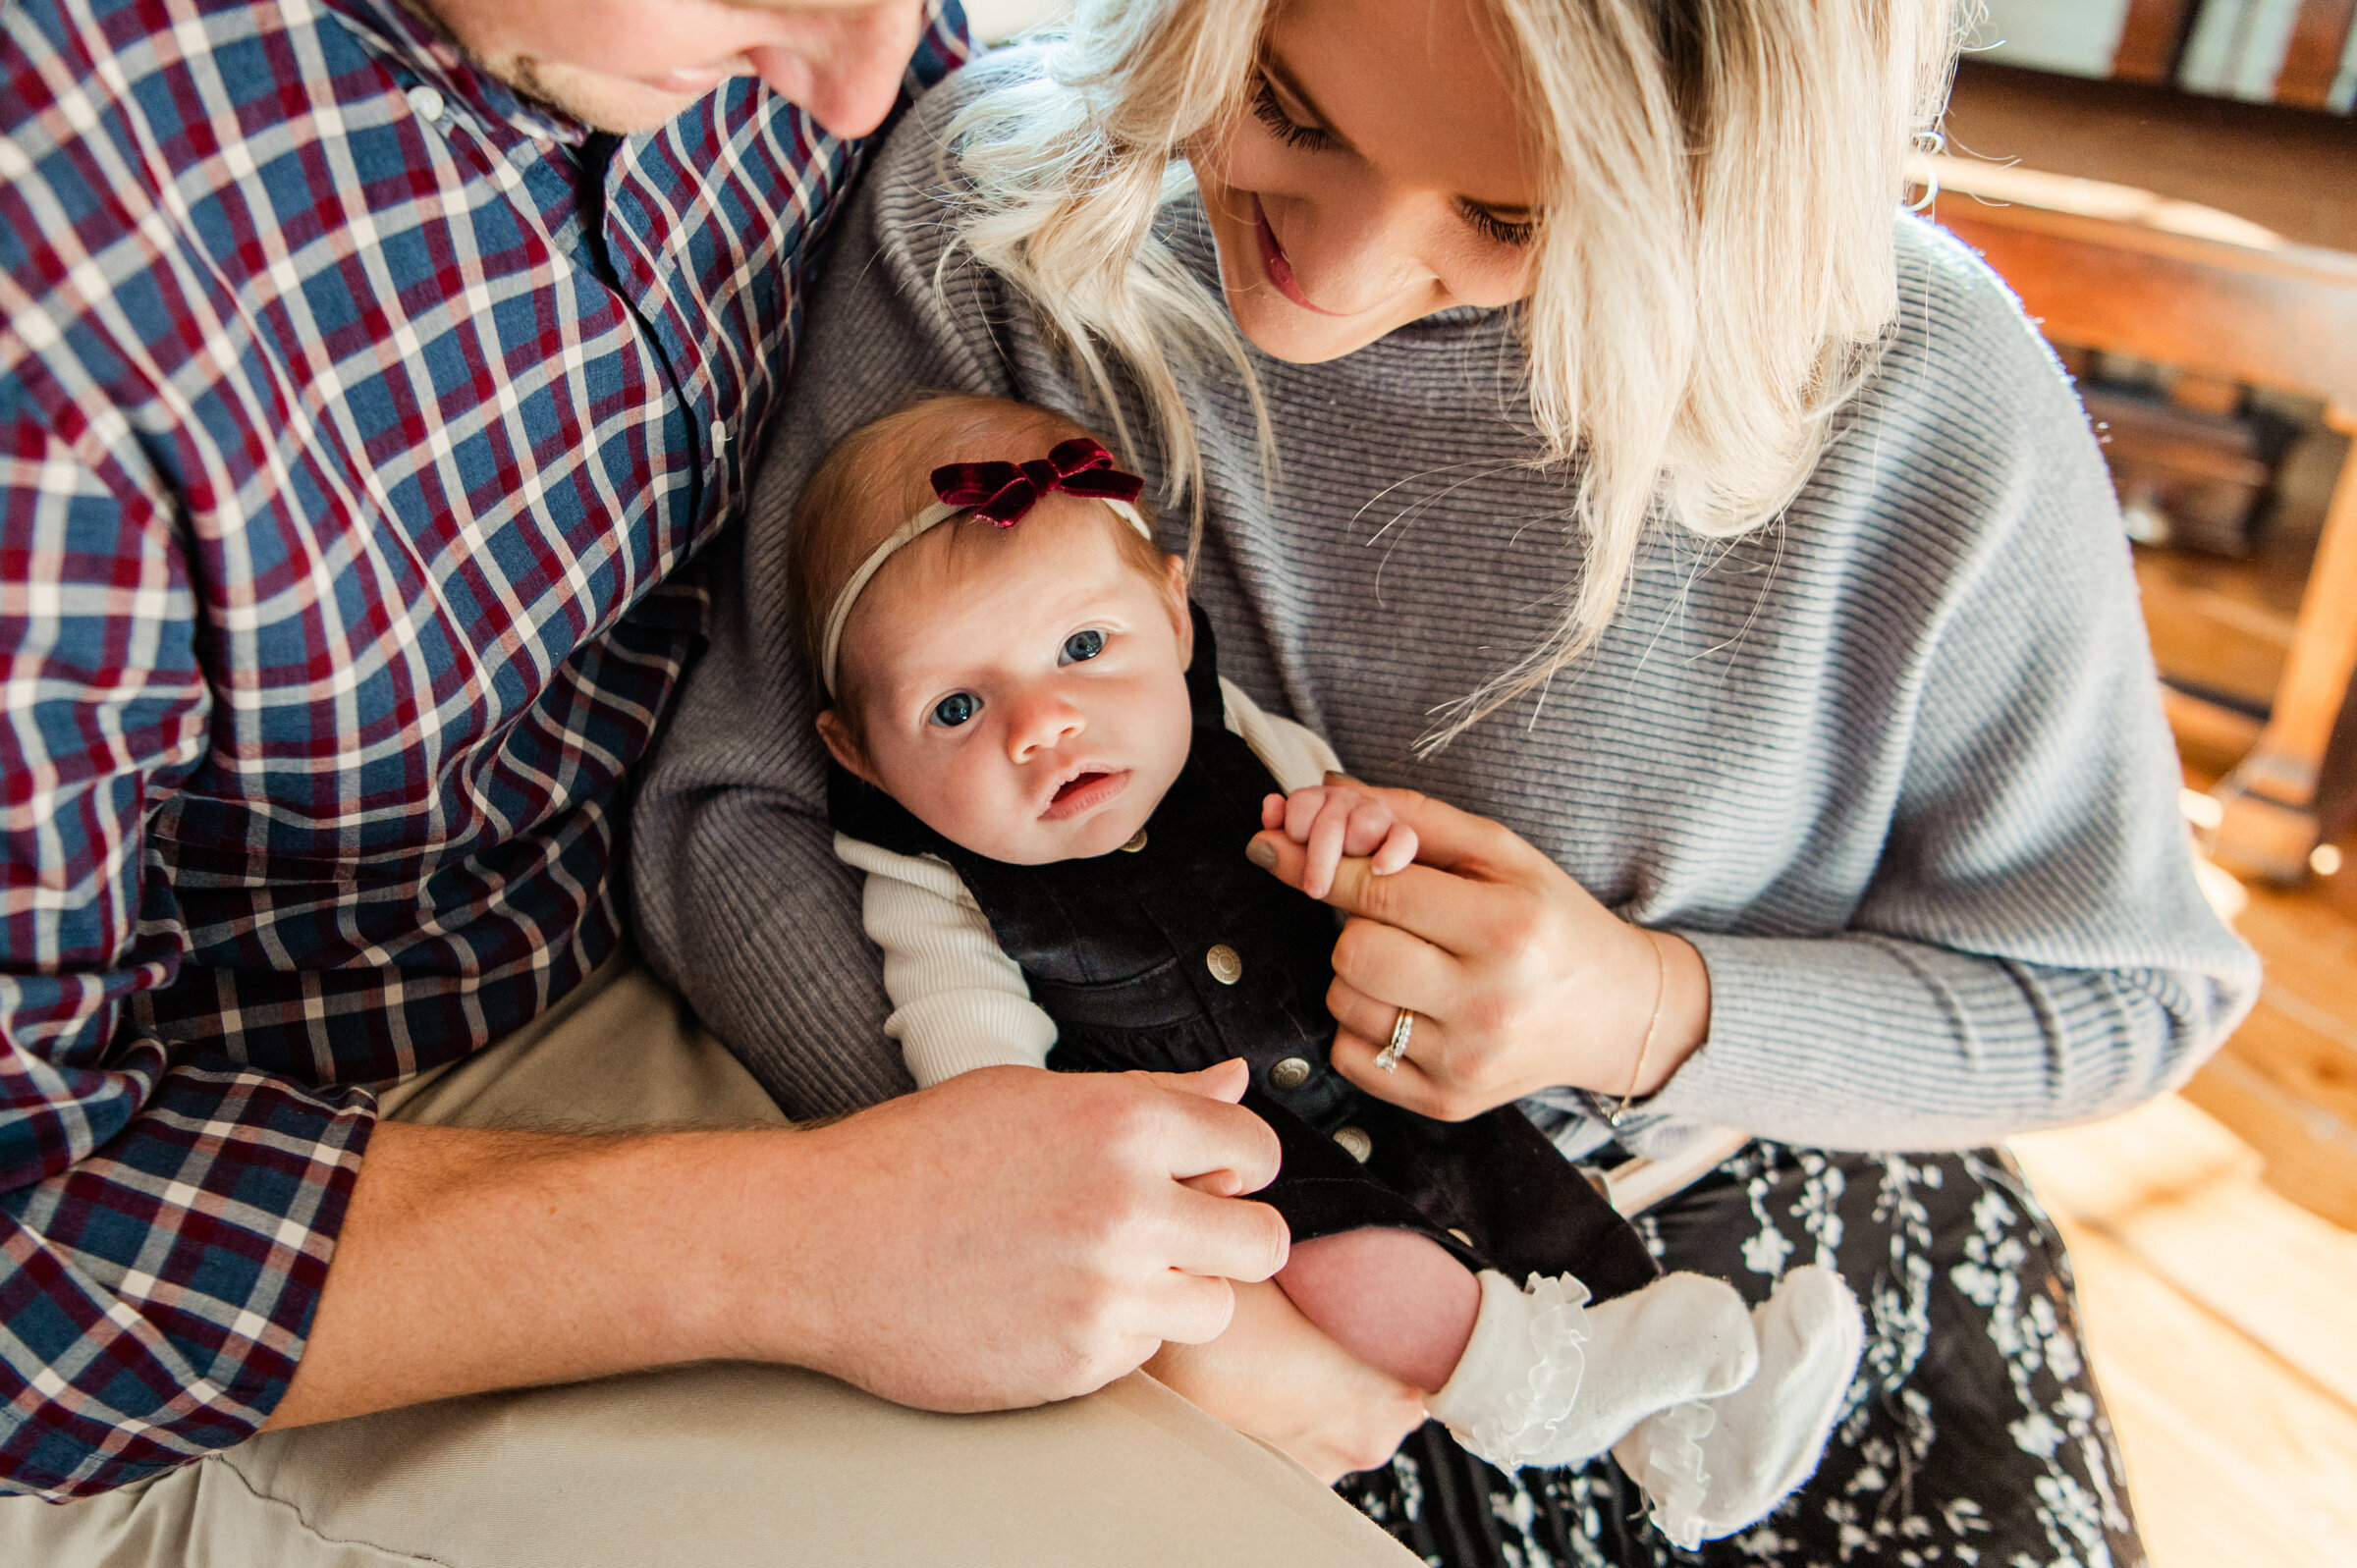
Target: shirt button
pixel 720 437
pixel 1291 1073
pixel 1137 842
pixel 425 103
pixel 1355 1143
pixel 1226 967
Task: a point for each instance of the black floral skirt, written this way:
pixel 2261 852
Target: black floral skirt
pixel 1974 1434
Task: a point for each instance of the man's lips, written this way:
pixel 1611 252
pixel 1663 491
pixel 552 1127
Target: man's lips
pixel 1280 270
pixel 691 79
pixel 1084 793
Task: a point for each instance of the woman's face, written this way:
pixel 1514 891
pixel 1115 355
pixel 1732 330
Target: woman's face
pixel 1380 176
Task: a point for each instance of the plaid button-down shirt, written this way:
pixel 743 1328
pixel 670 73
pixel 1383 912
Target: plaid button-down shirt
pixel 356 420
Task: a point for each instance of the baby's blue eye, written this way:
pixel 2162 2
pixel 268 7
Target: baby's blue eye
pixel 956 709
pixel 1082 645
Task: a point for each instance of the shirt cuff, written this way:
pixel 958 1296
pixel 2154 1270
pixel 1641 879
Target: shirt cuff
pixel 156 1297
pixel 951 1031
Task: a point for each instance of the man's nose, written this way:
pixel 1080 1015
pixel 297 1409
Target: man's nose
pixel 845 71
pixel 1041 724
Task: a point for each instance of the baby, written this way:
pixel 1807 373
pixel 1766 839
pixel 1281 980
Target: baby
pixel 1050 789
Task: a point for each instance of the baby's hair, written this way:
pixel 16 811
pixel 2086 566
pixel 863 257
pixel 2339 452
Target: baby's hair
pixel 880 475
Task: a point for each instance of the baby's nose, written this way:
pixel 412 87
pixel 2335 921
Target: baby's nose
pixel 1042 726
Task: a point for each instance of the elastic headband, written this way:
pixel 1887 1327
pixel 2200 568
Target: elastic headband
pixel 1002 492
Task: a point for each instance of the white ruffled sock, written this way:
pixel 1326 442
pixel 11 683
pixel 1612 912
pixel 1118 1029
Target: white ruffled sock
pixel 1521 1369
pixel 1712 1467
pixel 1548 1380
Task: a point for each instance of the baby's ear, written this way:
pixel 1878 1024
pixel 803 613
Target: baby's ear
pixel 1180 619
pixel 843 745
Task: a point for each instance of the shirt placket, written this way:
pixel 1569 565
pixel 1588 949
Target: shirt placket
pixel 646 252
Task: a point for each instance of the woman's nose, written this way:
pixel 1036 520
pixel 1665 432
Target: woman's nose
pixel 1351 249
pixel 1041 724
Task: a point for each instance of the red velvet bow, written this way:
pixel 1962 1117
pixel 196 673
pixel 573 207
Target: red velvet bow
pixel 1004 491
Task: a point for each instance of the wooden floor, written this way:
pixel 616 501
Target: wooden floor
pixel 2220 1316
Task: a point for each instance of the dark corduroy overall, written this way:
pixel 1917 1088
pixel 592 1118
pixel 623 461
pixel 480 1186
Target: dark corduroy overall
pixel 1176 952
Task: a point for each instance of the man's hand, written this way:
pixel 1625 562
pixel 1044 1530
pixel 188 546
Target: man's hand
pixel 1005 1238
pixel 1275 1377
pixel 1340 818
pixel 1012 1236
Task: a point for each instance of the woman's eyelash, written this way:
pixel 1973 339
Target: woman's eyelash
pixel 1495 228
pixel 1292 132
pixel 1271 113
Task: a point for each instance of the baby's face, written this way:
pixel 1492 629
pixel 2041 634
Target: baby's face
pixel 1025 695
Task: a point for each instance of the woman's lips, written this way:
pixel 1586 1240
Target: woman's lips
pixel 1280 270
pixel 1084 793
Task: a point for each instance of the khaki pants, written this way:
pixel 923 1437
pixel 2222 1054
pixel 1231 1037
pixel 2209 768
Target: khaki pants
pixel 713 1466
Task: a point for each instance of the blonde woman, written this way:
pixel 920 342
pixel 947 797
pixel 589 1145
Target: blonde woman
pixel 1575 432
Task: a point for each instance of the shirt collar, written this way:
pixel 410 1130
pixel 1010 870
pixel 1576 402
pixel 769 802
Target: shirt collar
pixel 414 44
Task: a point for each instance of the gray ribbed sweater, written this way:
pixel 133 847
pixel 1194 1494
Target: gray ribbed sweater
pixel 1895 765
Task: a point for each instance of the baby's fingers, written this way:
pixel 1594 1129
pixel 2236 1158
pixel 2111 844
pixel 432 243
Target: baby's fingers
pixel 1326 844
pixel 1302 811
pixel 1271 811
pixel 1370 821
pixel 1396 852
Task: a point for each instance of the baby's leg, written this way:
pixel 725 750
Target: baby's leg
pixel 1396 1300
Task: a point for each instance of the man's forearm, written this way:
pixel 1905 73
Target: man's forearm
pixel 472 1260
pixel 1008 1237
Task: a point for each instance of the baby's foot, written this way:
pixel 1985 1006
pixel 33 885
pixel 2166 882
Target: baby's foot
pixel 1547 1381
pixel 1715 1466
pixel 1521 1370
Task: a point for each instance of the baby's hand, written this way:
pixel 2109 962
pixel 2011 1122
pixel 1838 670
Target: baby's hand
pixel 1334 820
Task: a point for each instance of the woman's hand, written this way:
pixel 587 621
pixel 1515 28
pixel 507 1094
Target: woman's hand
pixel 1275 1377
pixel 1519 980
pixel 1341 818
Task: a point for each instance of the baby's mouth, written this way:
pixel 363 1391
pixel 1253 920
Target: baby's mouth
pixel 1084 792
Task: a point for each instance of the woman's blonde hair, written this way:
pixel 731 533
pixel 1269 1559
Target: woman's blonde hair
pixel 1711 274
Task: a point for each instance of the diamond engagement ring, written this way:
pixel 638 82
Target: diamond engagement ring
pixel 1391 1055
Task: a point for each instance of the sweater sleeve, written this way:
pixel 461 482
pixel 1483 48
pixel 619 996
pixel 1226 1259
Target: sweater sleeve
pixel 2031 947
pixel 957 1000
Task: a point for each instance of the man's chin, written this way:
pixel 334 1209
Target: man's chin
pixel 601 102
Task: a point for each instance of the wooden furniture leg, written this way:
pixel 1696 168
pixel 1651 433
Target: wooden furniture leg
pixel 2268 825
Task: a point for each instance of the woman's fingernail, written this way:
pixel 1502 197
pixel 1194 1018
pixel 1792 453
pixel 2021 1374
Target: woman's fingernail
pixel 1262 854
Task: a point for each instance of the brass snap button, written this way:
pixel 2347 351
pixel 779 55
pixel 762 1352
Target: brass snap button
pixel 1355 1143
pixel 1225 965
pixel 1291 1073
pixel 1137 842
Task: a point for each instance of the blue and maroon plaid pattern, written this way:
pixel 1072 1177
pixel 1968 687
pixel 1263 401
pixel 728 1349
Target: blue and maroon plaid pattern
pixel 358 423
